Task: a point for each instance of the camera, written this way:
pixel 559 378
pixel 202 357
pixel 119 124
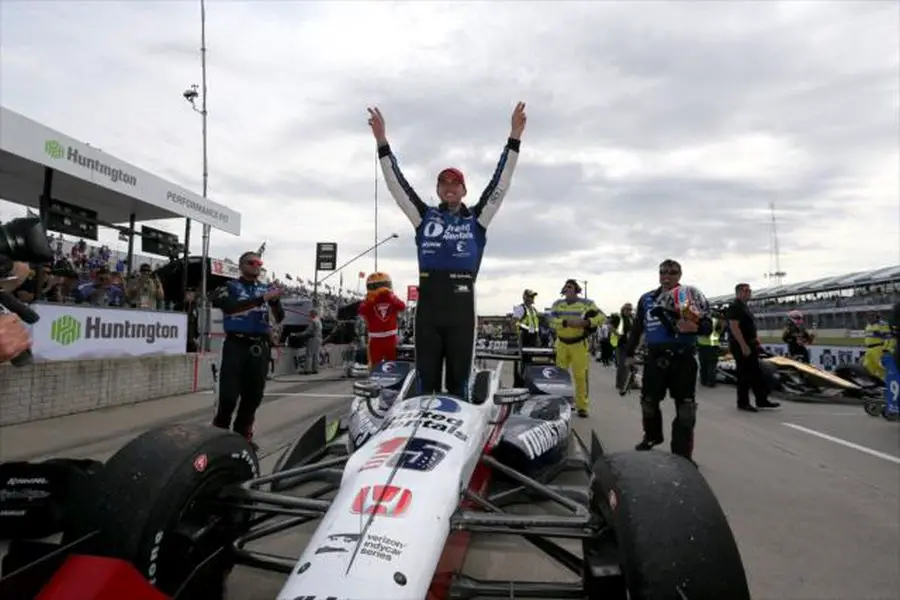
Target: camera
pixel 23 240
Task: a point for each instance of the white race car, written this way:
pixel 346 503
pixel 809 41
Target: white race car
pixel 179 506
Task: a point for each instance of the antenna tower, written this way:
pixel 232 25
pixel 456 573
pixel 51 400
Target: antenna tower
pixel 775 274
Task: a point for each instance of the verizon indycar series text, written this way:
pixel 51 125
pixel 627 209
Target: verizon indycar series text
pixel 393 486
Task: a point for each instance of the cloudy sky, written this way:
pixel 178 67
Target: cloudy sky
pixel 655 129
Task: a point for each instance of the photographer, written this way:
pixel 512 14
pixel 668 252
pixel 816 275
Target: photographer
pixel 14 338
pixel 145 290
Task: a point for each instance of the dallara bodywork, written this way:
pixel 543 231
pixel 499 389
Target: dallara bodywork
pixel 791 378
pixel 396 487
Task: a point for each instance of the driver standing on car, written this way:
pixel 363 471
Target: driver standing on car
pixel 574 319
pixel 450 240
pixel 245 352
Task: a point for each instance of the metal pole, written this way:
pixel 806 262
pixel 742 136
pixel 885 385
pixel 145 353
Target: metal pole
pixel 185 257
pixel 376 212
pixel 203 114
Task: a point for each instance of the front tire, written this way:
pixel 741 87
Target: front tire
pixel 152 507
pixel 672 536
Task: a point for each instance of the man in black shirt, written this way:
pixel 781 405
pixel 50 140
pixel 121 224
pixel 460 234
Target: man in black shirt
pixel 744 345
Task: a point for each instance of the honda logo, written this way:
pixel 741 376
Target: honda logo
pixel 382 500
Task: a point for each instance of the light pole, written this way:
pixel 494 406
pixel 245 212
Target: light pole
pixel 584 281
pixel 191 96
pixel 375 247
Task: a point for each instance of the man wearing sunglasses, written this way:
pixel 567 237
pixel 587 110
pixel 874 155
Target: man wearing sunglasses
pixel 670 365
pixel 450 240
pixel 245 304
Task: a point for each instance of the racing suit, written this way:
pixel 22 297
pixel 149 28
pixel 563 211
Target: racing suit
pixel 670 367
pixel 380 313
pixel 878 336
pixel 797 337
pixel 572 342
pixel 528 323
pixel 245 352
pixel 449 246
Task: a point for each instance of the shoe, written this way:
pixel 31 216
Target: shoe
pixel 687 458
pixel 747 408
pixel 582 413
pixel 622 392
pixel 647 444
pixel 768 404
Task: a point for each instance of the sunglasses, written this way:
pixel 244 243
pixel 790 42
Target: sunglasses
pixel 254 262
pixel 669 272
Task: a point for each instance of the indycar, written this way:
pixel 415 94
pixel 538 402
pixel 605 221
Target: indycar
pixel 888 406
pixel 794 379
pixel 396 486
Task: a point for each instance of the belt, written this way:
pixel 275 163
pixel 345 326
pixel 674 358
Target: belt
pixel 250 338
pixel 875 345
pixel 572 340
pixel 382 334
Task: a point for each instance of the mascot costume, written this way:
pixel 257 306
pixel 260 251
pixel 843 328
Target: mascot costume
pixel 380 310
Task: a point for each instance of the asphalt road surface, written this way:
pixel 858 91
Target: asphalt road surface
pixel 812 492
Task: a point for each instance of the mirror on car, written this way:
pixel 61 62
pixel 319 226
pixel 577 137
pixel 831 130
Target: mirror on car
pixel 367 389
pixel 511 395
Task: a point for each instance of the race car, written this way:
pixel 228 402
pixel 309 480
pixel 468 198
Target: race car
pixel 173 511
pixel 800 381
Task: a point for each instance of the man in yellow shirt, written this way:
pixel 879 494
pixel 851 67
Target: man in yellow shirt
pixel 574 319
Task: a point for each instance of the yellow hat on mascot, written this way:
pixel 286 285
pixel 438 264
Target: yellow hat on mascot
pixel 377 284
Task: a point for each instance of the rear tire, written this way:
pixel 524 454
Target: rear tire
pixel 672 536
pixel 151 497
pixel 857 374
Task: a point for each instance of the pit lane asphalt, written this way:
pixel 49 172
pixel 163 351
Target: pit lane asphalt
pixel 812 492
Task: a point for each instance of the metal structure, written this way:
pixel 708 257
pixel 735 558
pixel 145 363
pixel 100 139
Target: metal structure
pixel 191 96
pixel 776 275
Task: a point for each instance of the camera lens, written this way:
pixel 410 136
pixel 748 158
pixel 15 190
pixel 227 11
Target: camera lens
pixel 25 240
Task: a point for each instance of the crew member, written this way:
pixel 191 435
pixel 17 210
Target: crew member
pixel 380 310
pixel 574 319
pixel 245 352
pixel 528 325
pixel 797 337
pixel 670 325
pixel 895 328
pixel 450 240
pixel 626 314
pixel 744 346
pixel 878 335
pixel 708 355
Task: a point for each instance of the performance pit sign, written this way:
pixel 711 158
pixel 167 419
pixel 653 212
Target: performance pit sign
pixel 326 256
pixel 82 332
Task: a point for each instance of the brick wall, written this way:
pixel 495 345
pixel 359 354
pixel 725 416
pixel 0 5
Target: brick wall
pixel 53 389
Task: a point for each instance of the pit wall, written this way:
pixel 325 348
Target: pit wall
pixel 56 388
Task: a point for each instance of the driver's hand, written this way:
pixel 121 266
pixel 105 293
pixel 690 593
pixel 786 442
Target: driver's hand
pixel 272 294
pixel 685 326
pixel 14 338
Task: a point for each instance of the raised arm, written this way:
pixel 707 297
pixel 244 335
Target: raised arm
pixel 496 190
pixel 405 196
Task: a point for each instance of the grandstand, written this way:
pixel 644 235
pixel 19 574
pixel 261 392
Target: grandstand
pixel 835 304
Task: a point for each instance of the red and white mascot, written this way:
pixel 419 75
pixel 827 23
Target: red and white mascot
pixel 380 310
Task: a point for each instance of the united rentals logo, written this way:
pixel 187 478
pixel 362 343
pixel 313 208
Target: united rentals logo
pixel 67 330
pixel 57 151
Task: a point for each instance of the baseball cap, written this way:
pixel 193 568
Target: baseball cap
pixel 451 175
pixel 531 293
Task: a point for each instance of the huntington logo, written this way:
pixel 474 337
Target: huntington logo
pixel 65 330
pixel 58 151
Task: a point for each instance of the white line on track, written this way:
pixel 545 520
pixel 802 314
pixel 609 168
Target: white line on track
pixel 301 395
pixel 882 455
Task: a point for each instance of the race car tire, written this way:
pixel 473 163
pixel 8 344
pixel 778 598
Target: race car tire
pixel 857 374
pixel 672 536
pixel 151 495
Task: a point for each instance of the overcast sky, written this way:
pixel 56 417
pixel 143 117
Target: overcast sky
pixel 655 130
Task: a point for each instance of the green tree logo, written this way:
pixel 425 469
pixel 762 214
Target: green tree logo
pixel 54 149
pixel 65 330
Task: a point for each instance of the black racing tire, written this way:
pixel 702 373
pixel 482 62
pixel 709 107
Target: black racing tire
pixel 857 374
pixel 152 492
pixel 672 535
